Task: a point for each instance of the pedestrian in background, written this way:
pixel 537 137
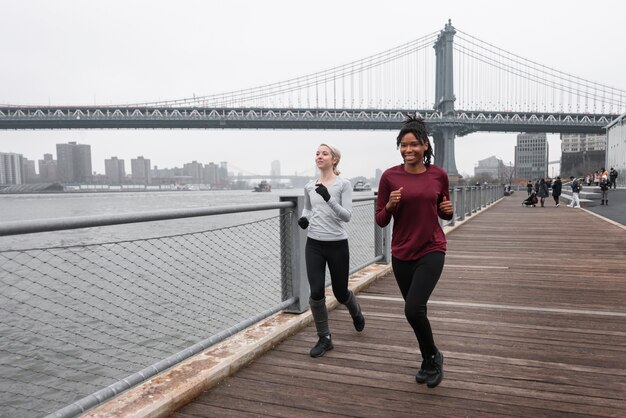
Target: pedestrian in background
pixel 556 190
pixel 415 194
pixel 542 192
pixel 613 177
pixel 529 187
pixel 604 189
pixel 327 207
pixel 575 203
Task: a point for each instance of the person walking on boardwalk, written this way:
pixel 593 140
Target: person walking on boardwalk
pixel 327 207
pixel 415 194
pixel 613 178
pixel 557 186
pixel 575 203
pixel 542 192
pixel 605 185
pixel 529 187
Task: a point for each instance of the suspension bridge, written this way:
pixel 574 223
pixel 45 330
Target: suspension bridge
pixel 496 91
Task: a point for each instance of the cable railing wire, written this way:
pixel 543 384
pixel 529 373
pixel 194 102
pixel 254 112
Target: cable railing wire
pixel 82 317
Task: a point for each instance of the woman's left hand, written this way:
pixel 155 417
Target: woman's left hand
pixel 446 206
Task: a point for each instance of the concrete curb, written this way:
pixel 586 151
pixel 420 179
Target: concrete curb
pixel 166 392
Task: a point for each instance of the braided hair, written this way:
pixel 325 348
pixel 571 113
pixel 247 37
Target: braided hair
pixel 417 127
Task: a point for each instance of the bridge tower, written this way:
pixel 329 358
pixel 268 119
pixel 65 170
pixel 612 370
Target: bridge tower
pixel 445 134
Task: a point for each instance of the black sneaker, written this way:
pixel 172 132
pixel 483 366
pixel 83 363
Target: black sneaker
pixel 434 369
pixel 323 345
pixel 421 375
pixel 359 322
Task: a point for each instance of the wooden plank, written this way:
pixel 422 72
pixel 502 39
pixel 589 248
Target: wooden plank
pixel 529 313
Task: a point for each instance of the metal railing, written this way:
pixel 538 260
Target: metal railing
pixel 76 319
pixel 468 200
pixel 83 319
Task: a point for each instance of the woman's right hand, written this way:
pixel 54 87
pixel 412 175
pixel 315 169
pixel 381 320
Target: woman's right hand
pixel 394 200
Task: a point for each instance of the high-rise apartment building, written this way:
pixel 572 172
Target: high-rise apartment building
pixel 30 174
pixel 531 156
pixel 223 173
pixel 583 142
pixel 194 170
pixel 582 154
pixel 140 170
pixel 12 168
pixel 211 174
pixel 48 169
pixel 114 171
pixel 74 163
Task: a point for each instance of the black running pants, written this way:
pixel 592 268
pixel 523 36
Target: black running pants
pixel 337 255
pixel 417 280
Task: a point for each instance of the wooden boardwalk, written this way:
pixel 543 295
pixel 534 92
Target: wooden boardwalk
pixel 530 313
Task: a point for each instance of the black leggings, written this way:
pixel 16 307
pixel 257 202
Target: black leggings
pixel 417 280
pixel 337 255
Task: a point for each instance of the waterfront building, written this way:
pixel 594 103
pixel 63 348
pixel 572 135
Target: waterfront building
pixel 194 170
pixel 582 154
pixel 169 176
pixel 531 156
pixel 140 170
pixel 211 174
pixel 74 163
pixel 616 148
pixel 12 168
pixel 223 172
pixel 489 169
pixel 48 169
pixel 30 174
pixel 114 171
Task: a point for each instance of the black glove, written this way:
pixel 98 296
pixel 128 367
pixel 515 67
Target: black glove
pixel 322 191
pixel 303 222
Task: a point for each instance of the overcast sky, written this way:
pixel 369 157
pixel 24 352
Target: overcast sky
pixel 84 52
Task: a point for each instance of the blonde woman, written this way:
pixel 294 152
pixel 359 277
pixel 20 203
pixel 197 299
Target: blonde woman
pixel 327 208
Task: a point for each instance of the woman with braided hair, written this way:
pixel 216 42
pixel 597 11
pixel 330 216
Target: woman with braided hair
pixel 415 194
pixel 327 207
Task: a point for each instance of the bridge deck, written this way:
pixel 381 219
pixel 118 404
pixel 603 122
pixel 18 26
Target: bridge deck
pixel 529 313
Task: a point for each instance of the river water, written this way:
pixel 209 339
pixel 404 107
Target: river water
pixel 114 300
pixel 63 205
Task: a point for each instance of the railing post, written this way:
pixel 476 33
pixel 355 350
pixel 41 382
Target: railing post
pixel 483 193
pixel 463 203
pixel 294 281
pixel 453 198
pixel 382 243
pixel 382 239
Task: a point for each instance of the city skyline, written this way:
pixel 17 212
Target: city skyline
pixel 117 165
pixel 100 169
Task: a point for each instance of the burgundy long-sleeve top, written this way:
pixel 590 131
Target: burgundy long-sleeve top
pixel 416 230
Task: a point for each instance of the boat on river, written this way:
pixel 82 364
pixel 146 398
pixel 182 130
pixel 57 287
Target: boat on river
pixel 361 186
pixel 263 186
